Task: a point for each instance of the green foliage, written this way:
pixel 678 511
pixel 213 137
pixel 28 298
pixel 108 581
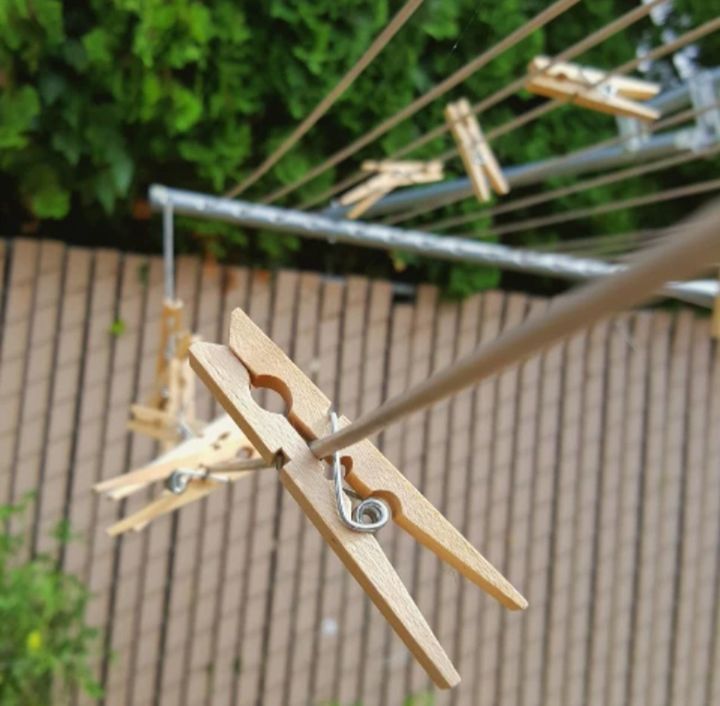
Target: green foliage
pixel 100 99
pixel 117 328
pixel 44 642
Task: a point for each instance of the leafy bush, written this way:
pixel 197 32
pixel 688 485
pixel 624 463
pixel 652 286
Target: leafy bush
pixel 44 642
pixel 99 99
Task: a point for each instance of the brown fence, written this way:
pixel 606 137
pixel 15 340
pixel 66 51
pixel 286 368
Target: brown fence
pixel 590 475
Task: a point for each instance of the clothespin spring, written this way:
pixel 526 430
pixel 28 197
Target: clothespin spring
pixel 178 480
pixel 368 515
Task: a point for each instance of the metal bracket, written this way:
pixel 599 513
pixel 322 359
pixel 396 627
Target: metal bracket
pixel 634 132
pixel 704 98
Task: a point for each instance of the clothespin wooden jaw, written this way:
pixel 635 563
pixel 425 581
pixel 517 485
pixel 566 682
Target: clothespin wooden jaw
pixel 220 454
pixel 480 162
pixel 389 176
pixel 169 413
pixel 592 88
pixel 252 359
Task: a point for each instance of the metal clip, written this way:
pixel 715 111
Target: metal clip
pixel 704 100
pixel 634 132
pixel 368 515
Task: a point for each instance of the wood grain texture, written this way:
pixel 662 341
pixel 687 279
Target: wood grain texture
pixel 592 98
pixel 370 472
pixel 304 477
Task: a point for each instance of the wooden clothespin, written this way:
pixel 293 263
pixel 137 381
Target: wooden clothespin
pixel 480 162
pixel 252 359
pixel 190 471
pixel 169 413
pixel 592 88
pixel 390 175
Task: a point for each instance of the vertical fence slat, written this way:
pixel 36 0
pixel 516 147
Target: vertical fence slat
pixel 342 599
pixel 19 304
pixel 294 571
pixel 689 534
pixel 456 468
pixel 260 521
pixel 612 688
pixel 212 509
pixel 706 667
pixel 494 543
pixel 277 609
pixel 650 510
pixel 704 628
pixel 396 688
pixel 537 584
pixel 306 662
pixel 374 358
pixel 586 501
pixel 140 307
pixel 237 536
pixel 571 426
pixel 39 372
pixel 520 513
pixel 399 335
pixel 147 590
pixel 64 396
pixel 481 449
pixel 427 565
pixel 609 479
pixel 666 539
pixel 186 533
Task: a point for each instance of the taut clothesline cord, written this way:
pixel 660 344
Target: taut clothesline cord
pixel 570 53
pixel 604 180
pixel 657 53
pixel 327 102
pixel 578 213
pixel 605 245
pixel 449 83
pixel 514 204
pixel 682 255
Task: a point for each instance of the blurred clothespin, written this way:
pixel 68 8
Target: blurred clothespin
pixel 390 175
pixel 592 88
pixel 253 360
pixel 169 413
pixel 480 162
pixel 191 470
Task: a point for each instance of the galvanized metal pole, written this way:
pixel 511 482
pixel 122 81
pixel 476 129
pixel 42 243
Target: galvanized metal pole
pixel 169 251
pixel 312 225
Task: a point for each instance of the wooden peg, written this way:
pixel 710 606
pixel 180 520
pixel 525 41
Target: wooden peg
pixel 589 88
pixel 171 403
pixel 626 86
pixel 479 160
pixel 390 175
pixel 254 359
pixel 303 476
pixel 166 503
pixel 220 443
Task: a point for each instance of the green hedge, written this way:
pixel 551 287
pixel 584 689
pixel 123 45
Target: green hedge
pixel 101 98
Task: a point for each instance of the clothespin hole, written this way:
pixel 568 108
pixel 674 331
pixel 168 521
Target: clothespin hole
pixel 271 394
pixel 345 462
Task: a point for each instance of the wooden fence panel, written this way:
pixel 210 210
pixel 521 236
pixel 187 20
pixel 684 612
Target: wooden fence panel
pixel 589 475
pixel 392 441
